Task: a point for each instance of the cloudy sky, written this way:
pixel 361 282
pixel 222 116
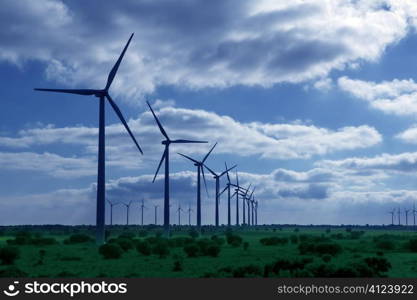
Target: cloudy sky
pixel 314 100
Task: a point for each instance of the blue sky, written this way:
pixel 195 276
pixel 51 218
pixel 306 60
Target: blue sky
pixel 314 100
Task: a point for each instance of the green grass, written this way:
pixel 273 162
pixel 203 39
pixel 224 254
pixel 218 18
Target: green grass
pixel 84 260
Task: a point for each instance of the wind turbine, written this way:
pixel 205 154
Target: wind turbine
pixel 414 213
pixel 127 211
pixel 392 212
pixel 142 206
pixel 399 216
pixel 179 210
pixel 406 211
pixel 200 170
pixel 156 213
pixel 248 203
pixel 228 185
pixel 165 156
pixel 256 211
pixel 102 95
pixel 217 178
pixel 243 194
pixel 252 202
pixel 111 210
pixel 189 215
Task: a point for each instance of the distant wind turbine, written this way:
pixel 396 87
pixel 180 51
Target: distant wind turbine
pixel 127 211
pixel 165 156
pixel 248 203
pixel 142 207
pixel 406 211
pixel 414 213
pixel 189 215
pixel 156 214
pixel 256 211
pixel 228 186
pixel 392 212
pixel 179 210
pixel 217 178
pixel 399 216
pixel 102 95
pixel 200 170
pixel 111 210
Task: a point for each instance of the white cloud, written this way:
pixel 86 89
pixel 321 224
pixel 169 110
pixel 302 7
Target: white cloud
pixel 272 141
pixel 197 43
pixel 409 135
pixel 397 97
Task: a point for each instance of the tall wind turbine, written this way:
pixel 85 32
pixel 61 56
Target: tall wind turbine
pixel 217 178
pixel 179 210
pixel 243 194
pixel 127 211
pixel 200 170
pixel 256 211
pixel 414 213
pixel 165 156
pixel 102 95
pixel 392 212
pixel 111 210
pixel 248 203
pixel 406 211
pixel 399 216
pixel 142 207
pixel 228 185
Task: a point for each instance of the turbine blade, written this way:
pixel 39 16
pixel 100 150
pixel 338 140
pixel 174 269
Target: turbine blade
pixel 192 159
pixel 228 177
pixel 122 119
pixel 187 141
pixel 204 179
pixel 71 91
pixel 117 64
pixel 227 171
pixel 160 163
pixel 210 170
pixel 223 191
pixel 207 155
pixel 159 123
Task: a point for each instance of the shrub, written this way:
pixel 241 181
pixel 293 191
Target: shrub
pixel 78 238
pixel 412 245
pixel 180 241
pixel 354 235
pixel 234 240
pixel 273 241
pixel 384 244
pixel 12 272
pixel 213 250
pixel 191 250
pixel 9 254
pixel 125 243
pixel 290 265
pixel 161 248
pixel 378 264
pixel 247 271
pixel 143 233
pixel 43 241
pixel 218 240
pixel 127 235
pixel 144 248
pixel 320 248
pixel 245 246
pixel 110 251
pixel 177 266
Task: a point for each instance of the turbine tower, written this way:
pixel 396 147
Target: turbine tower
pixel 406 211
pixel 217 178
pixel 392 212
pixel 127 211
pixel 179 210
pixel 156 213
pixel 189 215
pixel 200 170
pixel 142 207
pixel 102 95
pixel 399 216
pixel 248 203
pixel 243 194
pixel 111 210
pixel 165 156
pixel 414 213
pixel 228 185
pixel 256 211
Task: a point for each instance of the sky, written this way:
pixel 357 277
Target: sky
pixel 315 101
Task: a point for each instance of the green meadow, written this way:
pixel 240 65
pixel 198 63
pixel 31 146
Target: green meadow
pixel 134 251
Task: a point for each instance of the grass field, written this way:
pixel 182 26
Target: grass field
pixel 293 252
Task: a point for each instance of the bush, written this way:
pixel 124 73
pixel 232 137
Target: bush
pixel 110 251
pixel 43 241
pixel 273 241
pixel 125 243
pixel 180 241
pixel 161 248
pixel 218 240
pixel 385 244
pixel 320 248
pixel 191 250
pixel 378 264
pixel 234 240
pixel 412 245
pixel 12 272
pixel 247 271
pixel 127 235
pixel 213 250
pixel 144 248
pixel 78 238
pixel 143 233
pixel 9 254
pixel 290 265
